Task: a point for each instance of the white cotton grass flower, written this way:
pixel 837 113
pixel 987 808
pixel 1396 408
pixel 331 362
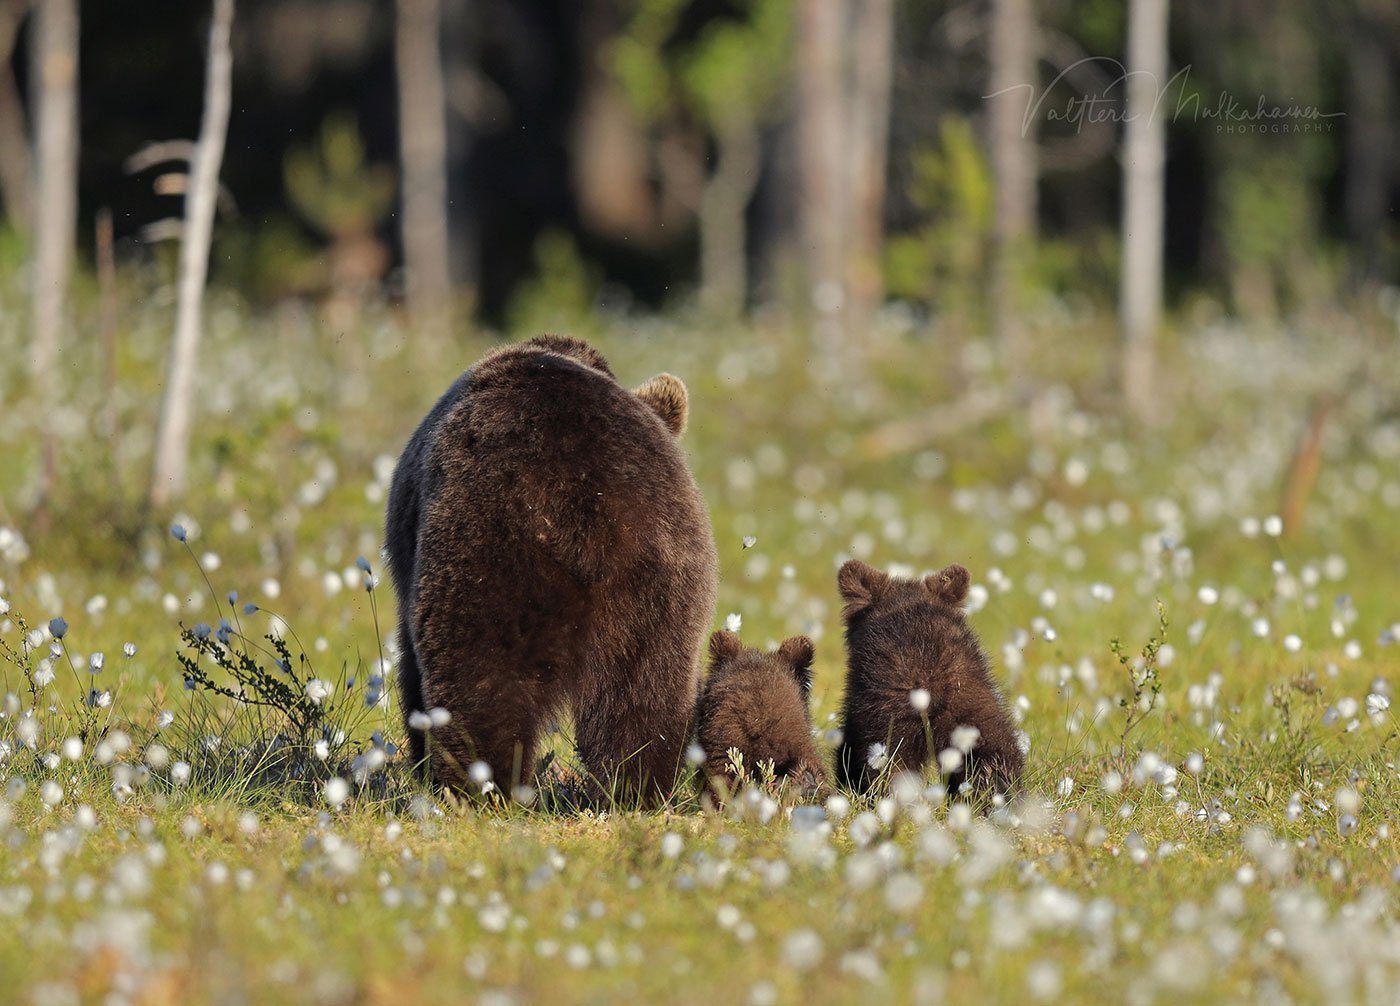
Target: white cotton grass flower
pixel 129 650
pixel 51 793
pixel 877 756
pixel 419 720
pixel 319 691
pixel 1208 595
pixel 1292 642
pixel 438 717
pixel 72 748
pixel 734 621
pixel 479 773
pixel 1273 525
pixel 157 756
pixel 750 541
pixel 950 760
pixel 1377 705
pixel 96 662
pixel 965 737
pixel 802 949
pixel 336 791
pixel 919 698
pixel 322 749
pixel 180 773
pixel 672 845
pixel 164 719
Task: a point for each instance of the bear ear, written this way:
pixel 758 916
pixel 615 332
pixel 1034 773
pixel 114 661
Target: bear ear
pixel 949 584
pixel 860 585
pixel 724 646
pixel 799 651
pixel 667 397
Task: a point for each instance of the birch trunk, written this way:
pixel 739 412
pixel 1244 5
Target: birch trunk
pixel 423 159
pixel 171 468
pixel 1144 176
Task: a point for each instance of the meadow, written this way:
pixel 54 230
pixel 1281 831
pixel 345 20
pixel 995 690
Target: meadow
pixel 1206 687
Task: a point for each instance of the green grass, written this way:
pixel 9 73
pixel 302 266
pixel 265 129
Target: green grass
pixel 1134 872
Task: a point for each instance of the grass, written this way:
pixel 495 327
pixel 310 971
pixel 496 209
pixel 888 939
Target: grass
pixel 1211 801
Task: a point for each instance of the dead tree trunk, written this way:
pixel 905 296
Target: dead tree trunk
pixel 423 158
pixel 869 128
pixel 54 69
pixel 820 31
pixel 845 60
pixel 1012 144
pixel 16 168
pixel 171 467
pixel 723 234
pixel 1144 176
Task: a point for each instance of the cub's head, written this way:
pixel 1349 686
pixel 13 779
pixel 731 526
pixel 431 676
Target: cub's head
pixel 869 592
pixel 755 704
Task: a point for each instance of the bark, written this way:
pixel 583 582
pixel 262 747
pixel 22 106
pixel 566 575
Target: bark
pixel 869 128
pixel 1012 60
pixel 1144 176
pixel 16 165
pixel 723 234
pixel 171 468
pixel 423 157
pixel 1369 139
pixel 821 113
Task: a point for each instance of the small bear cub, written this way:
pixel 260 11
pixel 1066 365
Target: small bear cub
pixel 756 703
pixel 916 674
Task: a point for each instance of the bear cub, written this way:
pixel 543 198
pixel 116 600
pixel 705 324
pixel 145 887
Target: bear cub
pixel 907 638
pixel 757 704
pixel 550 549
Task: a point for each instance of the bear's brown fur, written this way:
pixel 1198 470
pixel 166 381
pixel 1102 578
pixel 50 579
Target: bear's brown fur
pixel 757 704
pixel 904 635
pixel 550 549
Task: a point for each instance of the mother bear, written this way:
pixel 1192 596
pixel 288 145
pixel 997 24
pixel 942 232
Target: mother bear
pixel 550 549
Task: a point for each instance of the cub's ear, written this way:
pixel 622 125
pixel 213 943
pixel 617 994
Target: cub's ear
pixel 667 397
pixel 949 584
pixel 724 646
pixel 799 651
pixel 860 585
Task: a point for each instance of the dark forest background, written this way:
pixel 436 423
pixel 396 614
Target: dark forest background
pixel 548 150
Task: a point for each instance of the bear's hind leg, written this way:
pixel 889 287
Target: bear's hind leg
pixel 632 727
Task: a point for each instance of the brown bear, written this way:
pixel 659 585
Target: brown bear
pixel 756 703
pixel 908 644
pixel 550 549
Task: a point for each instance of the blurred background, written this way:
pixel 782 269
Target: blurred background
pixel 1018 178
pixel 661 149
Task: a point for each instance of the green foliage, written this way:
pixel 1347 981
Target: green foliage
pixel 729 76
pixel 561 294
pixel 943 262
pixel 332 185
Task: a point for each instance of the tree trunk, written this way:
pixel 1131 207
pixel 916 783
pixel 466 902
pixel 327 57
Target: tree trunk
pixel 822 111
pixel 869 126
pixel 16 167
pixel 1012 60
pixel 1144 175
pixel 1370 87
pixel 723 234
pixel 54 70
pixel 423 158
pixel 170 471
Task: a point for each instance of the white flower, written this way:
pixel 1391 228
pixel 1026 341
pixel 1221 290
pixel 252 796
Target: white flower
pixel 734 621
pixel 1377 704
pixel 180 773
pixel 322 749
pixel 72 749
pixel 439 717
pixel 337 791
pixel 129 649
pixel 919 698
pixel 157 757
pixel 802 950
pixel 1292 643
pixel 1066 787
pixel 1208 595
pixel 966 737
pixel 95 663
pixel 51 793
pixel 671 845
pixel 164 720
pixel 318 691
pixel 877 756
pixel 419 720
pixel 950 760
pixel 750 541
pixel 1273 525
